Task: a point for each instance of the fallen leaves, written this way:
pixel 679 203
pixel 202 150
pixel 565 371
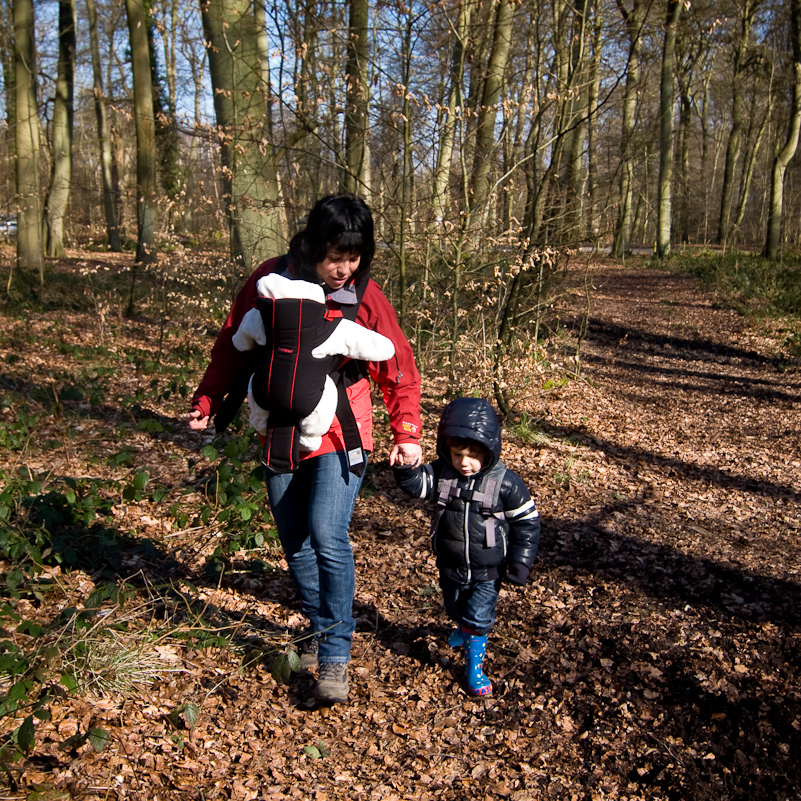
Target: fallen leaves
pixel 653 655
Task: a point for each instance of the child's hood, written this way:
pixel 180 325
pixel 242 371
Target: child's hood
pixel 473 419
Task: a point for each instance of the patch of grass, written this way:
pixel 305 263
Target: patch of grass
pixel 751 283
pixel 529 431
pixel 571 473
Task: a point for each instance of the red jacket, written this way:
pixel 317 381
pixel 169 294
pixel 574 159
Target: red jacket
pixel 398 378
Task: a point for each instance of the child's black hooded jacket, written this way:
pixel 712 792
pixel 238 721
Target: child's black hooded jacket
pixel 460 540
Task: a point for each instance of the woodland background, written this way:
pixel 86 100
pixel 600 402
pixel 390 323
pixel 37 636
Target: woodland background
pixel 519 157
pixel 479 130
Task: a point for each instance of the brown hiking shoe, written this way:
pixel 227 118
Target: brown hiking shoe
pixel 332 683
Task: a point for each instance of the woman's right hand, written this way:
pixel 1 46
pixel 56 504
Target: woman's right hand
pixel 196 422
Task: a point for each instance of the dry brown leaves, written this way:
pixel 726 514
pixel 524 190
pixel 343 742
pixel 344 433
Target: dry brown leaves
pixel 654 654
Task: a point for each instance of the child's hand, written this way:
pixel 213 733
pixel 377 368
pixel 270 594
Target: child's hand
pixel 517 573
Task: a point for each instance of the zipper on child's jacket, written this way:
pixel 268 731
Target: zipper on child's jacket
pixel 466 529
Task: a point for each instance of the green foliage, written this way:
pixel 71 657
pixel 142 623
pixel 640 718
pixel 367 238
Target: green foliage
pixel 319 751
pixel 751 283
pixel 527 430
pixel 16 434
pixel 184 716
pixel 555 383
pixel 53 644
pixel 236 495
pixel 284 664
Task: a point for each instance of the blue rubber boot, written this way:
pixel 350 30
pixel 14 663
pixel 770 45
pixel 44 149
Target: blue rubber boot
pixel 475 648
pixel 456 639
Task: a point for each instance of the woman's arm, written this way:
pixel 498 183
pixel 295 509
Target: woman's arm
pixel 226 363
pixel 397 377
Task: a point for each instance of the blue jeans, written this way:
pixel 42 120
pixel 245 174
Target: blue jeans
pixel 312 508
pixel 473 605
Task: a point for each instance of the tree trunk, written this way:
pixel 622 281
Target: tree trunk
pixel 783 157
pixel 733 148
pixel 485 128
pixel 170 173
pixel 249 168
pixel 30 257
pixel 454 107
pixel 666 130
pixel 357 165
pixel 145 123
pixel 576 130
pixel 61 171
pixel 633 19
pixel 406 170
pixel 683 150
pixel 104 136
pixel 593 227
pixel 9 84
pixel 750 164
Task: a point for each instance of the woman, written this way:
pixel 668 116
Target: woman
pixel 312 506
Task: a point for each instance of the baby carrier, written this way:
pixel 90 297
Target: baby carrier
pixel 287 378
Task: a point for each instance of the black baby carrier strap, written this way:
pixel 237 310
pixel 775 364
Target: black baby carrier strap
pixel 485 495
pixel 289 381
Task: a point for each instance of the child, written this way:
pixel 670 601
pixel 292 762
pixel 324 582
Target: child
pixel 485 528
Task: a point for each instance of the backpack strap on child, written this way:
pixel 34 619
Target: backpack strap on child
pixel 486 494
pixel 447 489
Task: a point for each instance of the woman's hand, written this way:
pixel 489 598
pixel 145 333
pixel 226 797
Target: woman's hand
pixel 407 454
pixel 196 422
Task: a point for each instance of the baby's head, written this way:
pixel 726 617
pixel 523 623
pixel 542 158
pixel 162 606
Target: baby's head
pixel 467 455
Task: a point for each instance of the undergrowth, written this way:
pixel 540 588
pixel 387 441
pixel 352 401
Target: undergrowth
pixel 81 441
pixel 751 283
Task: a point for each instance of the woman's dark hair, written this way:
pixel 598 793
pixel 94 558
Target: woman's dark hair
pixel 336 222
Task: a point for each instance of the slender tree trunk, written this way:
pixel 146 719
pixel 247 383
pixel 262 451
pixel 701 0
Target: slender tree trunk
pixel 30 256
pixel 454 108
pixel 104 136
pixel 683 148
pixel 750 164
pixel 61 171
pixel 786 153
pixel 705 138
pixel 576 132
pixel 145 123
pixel 633 19
pixel 9 84
pixel 666 130
pixel 356 100
pixel 307 90
pixel 594 213
pixel 485 129
pixel 735 134
pixel 169 170
pixel 405 168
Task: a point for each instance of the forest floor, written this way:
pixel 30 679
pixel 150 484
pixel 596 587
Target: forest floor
pixel 654 654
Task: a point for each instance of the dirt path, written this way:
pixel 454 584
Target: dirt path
pixel 655 654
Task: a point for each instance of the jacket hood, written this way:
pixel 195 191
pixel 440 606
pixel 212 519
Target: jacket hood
pixel 473 419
